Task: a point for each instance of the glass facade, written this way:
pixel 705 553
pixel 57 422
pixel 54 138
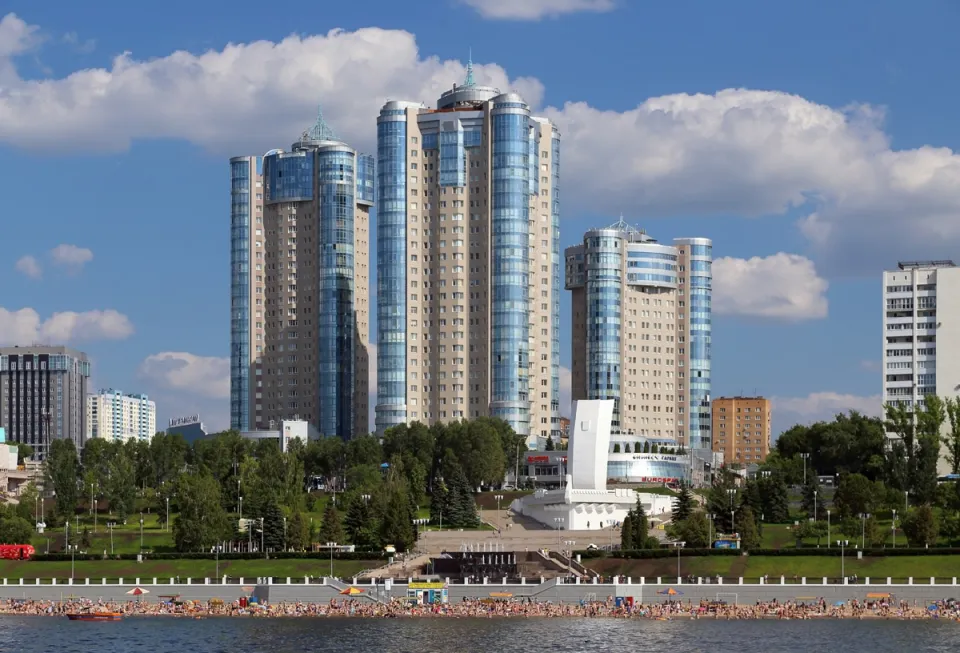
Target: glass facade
pixel 453 164
pixel 240 293
pixel 289 176
pixel 699 298
pixel 336 314
pixel 603 253
pixel 366 178
pixel 391 268
pixel 510 310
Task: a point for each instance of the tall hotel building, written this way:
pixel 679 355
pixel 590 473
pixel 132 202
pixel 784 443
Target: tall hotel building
pixel 117 416
pixel 641 331
pixel 299 289
pixel 43 393
pixel 921 332
pixel 468 253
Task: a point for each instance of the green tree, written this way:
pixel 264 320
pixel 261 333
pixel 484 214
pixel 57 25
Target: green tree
pixel 626 533
pixel 775 499
pixel 332 528
pixel 616 447
pixel 24 451
pixel 119 485
pixel 62 468
pixel 952 439
pixel 694 530
pixel 15 530
pixel 723 498
pixel 395 513
pixel 684 504
pixel 746 525
pixel 855 495
pixel 27 507
pixel 360 522
pixel 298 532
pixel 202 521
pixel 273 526
pixel 640 525
pixel 549 445
pixel 921 526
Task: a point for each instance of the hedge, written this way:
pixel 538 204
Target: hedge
pixel 280 555
pixel 652 554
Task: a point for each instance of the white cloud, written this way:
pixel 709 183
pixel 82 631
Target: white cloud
pixel 536 9
pixel 781 286
pixel 267 91
pixel 24 327
pixel 819 406
pixel 83 47
pixel 208 376
pixel 29 266
pixel 735 152
pixel 71 256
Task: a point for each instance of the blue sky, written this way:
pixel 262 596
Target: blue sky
pixel 812 141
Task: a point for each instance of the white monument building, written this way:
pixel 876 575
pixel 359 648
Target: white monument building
pixel 585 503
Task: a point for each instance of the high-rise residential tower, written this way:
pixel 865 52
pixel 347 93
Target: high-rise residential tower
pixel 43 394
pixel 921 339
pixel 300 304
pixel 468 262
pixel 117 416
pixel 641 330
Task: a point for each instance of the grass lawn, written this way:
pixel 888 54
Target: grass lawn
pixel 164 569
pixel 812 567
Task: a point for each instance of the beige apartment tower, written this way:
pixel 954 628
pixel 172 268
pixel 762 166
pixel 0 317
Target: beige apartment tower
pixel 468 262
pixel 742 429
pixel 641 331
pixel 301 347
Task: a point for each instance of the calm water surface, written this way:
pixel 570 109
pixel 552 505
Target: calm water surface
pixel 226 635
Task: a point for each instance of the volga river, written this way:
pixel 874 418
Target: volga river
pixel 240 635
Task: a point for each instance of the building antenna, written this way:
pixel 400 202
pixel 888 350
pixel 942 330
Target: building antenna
pixel 469 81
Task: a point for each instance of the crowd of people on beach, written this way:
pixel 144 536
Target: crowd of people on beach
pixel 490 608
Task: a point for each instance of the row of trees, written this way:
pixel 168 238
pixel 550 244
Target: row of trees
pixel 375 487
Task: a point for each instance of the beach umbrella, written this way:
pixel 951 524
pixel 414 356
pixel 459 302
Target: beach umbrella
pixel 351 591
pixel 137 591
pixel 670 592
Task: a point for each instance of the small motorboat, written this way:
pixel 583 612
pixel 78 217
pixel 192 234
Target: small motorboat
pixel 95 616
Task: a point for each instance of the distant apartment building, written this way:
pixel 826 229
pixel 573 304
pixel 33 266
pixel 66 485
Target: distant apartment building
pixel 921 333
pixel 43 392
pixel 113 415
pixel 300 286
pixel 641 331
pixel 742 429
pixel 468 262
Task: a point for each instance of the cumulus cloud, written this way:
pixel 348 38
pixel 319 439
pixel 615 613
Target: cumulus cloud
pixel 820 406
pixel 29 266
pixel 782 286
pixel 85 46
pixel 25 327
pixel 734 152
pixel 208 376
pixel 264 90
pixel 71 256
pixel 536 9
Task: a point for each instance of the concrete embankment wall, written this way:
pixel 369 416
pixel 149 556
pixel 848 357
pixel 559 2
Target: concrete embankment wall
pixel 548 591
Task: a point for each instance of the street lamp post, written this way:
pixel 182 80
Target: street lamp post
pixel 262 547
pixel 332 546
pixel 499 498
pixel 284 533
pixel 66 534
pixel 679 546
pixel 893 527
pixel 558 521
pixel 804 456
pixel 842 544
pixel 828 528
pixel 110 525
pixel 863 529
pixel 95 511
pixel 168 514
pixel 141 531
pixel 732 494
pixel 814 505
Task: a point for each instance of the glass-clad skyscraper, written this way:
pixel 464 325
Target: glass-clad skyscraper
pixel 468 262
pixel 641 331
pixel 309 310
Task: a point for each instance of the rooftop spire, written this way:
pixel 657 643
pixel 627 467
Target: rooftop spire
pixel 470 81
pixel 320 131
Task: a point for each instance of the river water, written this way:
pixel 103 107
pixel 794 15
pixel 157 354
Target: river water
pixel 513 635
